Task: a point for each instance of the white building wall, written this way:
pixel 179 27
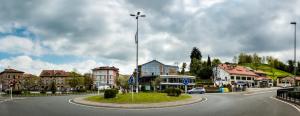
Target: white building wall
pixel 221 76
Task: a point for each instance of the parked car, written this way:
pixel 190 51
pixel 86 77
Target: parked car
pixel 103 87
pixel 199 90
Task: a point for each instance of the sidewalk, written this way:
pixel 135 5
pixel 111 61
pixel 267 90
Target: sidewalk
pixel 194 99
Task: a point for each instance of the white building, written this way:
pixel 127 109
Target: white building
pixel 176 81
pixel 234 75
pixel 105 76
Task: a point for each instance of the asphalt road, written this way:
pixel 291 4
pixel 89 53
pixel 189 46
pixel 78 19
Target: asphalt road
pixel 216 105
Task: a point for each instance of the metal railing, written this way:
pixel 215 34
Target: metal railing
pixel 289 94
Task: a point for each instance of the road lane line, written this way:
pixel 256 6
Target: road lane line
pixel 258 93
pixel 293 105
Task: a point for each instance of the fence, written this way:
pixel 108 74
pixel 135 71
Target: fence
pixel 289 94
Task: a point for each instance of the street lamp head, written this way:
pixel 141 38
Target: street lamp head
pixel 138 13
pixel 293 23
pixel 132 15
pixel 143 15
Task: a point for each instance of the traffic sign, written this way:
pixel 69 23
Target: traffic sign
pixel 186 81
pixel 131 80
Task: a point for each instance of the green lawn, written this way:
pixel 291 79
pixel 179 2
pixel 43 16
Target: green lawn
pixel 138 98
pixel 268 70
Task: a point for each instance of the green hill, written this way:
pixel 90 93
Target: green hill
pixel 269 70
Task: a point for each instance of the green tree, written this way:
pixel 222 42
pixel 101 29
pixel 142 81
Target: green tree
pixel 183 68
pixel 216 62
pixel 256 61
pixel 205 73
pixel 53 87
pixel 76 80
pixel 88 81
pixel 196 54
pixel 30 82
pixel 195 64
pixel 235 59
pixel 122 82
pixel 155 83
pixel 208 62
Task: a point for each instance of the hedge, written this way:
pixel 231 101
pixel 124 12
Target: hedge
pixel 110 93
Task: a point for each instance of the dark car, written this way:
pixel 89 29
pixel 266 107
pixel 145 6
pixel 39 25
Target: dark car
pixel 199 90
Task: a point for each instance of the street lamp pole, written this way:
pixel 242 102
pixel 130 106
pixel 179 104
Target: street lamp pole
pixel 295 63
pixel 137 15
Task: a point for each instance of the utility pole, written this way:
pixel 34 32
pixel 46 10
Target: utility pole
pixel 137 15
pixel 295 62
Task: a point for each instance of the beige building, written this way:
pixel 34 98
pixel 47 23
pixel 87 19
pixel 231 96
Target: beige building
pixel 11 76
pixel 105 76
pixel 60 78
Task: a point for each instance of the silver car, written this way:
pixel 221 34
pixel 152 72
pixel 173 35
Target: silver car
pixel 199 90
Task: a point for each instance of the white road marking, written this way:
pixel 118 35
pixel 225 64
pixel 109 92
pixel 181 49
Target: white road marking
pixel 293 105
pixel 70 101
pixel 258 93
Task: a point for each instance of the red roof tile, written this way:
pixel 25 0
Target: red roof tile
pixel 236 70
pixel 11 71
pixel 54 73
pixel 106 68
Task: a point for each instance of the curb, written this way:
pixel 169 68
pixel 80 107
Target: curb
pixel 291 104
pixel 133 106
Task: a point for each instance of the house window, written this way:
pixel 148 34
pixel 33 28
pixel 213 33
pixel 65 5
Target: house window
pixel 232 77
pixel 249 78
pixel 238 78
pixel 243 78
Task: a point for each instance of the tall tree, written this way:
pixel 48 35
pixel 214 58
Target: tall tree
pixel 195 64
pixel 53 87
pixel 208 61
pixel 256 61
pixel 183 68
pixel 196 54
pixel 235 59
pixel 216 62
pixel 88 81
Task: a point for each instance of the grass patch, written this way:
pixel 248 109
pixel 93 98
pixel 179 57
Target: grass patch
pixel 269 71
pixel 138 98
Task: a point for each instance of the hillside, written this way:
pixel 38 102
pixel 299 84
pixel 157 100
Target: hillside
pixel 268 70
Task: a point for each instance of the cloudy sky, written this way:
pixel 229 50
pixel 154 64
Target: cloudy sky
pixel 84 34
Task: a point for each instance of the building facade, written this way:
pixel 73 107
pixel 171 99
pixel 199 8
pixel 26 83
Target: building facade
pixel 9 76
pixel 59 77
pixel 105 76
pixel 262 80
pixel 233 74
pixel 176 81
pixel 167 74
pixel 156 68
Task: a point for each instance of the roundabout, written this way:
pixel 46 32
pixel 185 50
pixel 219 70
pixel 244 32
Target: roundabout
pixel 138 104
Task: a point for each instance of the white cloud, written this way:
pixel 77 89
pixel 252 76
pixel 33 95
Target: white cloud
pixel 102 32
pixel 20 45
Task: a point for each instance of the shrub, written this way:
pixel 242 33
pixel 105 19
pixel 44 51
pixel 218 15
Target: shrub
pixel 173 92
pixel 81 90
pixel 110 93
pixel 15 92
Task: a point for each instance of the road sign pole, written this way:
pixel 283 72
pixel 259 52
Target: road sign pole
pixel 185 89
pixel 132 93
pixel 11 98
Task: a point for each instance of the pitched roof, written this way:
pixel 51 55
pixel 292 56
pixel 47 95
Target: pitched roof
pixel 263 78
pixel 153 61
pixel 54 73
pixel 11 71
pixel 106 68
pixel 236 70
